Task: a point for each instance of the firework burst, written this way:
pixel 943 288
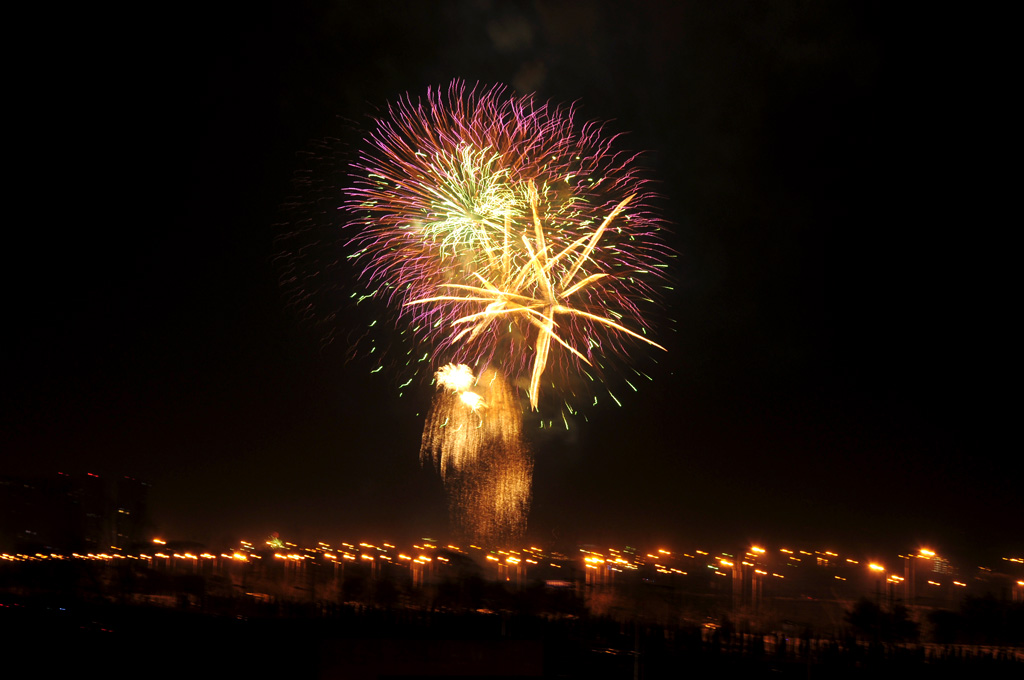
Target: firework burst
pixel 508 236
pixel 514 242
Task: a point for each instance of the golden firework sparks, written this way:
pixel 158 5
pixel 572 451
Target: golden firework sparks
pixel 539 290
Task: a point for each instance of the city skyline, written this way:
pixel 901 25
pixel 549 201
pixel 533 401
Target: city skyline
pixel 63 514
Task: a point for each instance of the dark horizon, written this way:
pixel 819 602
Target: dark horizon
pixel 52 493
pixel 838 345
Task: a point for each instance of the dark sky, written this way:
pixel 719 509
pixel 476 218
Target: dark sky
pixel 840 366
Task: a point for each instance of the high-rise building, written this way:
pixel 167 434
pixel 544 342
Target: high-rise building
pixel 65 513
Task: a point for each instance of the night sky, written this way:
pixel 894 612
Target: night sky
pixel 839 374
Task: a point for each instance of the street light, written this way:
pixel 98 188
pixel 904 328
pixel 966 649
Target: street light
pixel 879 571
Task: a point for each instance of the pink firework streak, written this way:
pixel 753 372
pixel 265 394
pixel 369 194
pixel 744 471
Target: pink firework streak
pixel 507 236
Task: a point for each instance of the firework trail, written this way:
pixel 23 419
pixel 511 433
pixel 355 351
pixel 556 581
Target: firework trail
pixel 473 436
pixel 512 240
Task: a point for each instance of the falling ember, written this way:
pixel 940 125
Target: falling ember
pixel 476 444
pixel 490 502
